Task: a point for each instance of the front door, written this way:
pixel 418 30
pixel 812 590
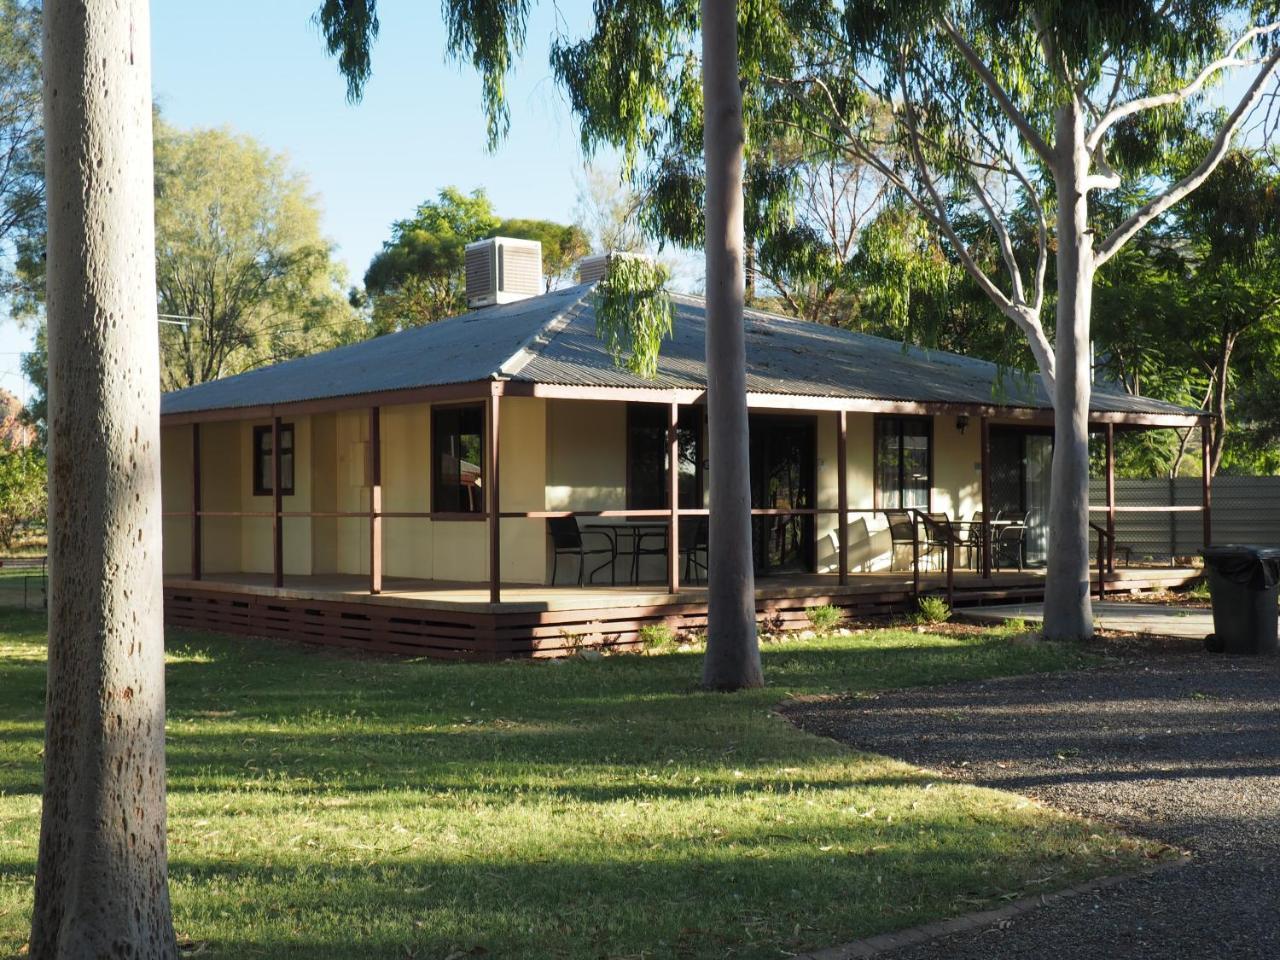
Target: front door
pixel 783 477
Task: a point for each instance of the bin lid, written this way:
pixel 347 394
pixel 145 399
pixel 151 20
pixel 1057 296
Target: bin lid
pixel 1247 564
pixel 1240 551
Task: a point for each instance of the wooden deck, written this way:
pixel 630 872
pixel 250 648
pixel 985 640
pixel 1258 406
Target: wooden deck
pixel 457 621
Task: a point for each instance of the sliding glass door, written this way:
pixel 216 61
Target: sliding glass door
pixel 783 477
pixel 1021 463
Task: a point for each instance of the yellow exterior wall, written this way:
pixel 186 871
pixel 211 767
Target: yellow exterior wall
pixel 406 487
pixel 523 479
pixel 957 467
pixel 586 455
pixel 220 490
pixel 255 532
pixel 556 455
pixel 175 496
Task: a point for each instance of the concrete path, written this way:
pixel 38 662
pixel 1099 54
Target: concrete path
pixel 1149 618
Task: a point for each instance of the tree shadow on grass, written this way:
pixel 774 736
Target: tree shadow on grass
pixel 748 892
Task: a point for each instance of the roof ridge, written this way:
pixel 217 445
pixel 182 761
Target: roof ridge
pixel 529 348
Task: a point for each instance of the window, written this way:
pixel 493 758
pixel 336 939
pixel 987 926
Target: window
pixel 264 470
pixel 904 462
pixel 457 459
pixel 647 457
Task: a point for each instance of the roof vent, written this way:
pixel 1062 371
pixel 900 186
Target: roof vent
pixel 596 266
pixel 502 270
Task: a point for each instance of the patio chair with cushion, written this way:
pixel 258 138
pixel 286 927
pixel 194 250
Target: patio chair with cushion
pixel 570 540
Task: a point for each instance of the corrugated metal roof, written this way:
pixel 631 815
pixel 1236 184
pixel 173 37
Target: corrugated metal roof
pixel 472 346
pixel 551 339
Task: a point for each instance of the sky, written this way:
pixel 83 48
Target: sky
pixel 260 68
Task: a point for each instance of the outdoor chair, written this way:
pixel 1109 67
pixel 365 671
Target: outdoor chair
pixel 569 540
pixel 646 543
pixel 902 533
pixel 1009 539
pixel 693 544
pixel 940 536
pixel 975 536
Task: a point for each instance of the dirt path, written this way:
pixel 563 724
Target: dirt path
pixel 1185 749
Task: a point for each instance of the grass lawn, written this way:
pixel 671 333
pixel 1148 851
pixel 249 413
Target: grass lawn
pixel 331 807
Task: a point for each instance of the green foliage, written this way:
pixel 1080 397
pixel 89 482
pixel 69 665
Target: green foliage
pixel 634 312
pixel 1191 314
pixel 418 277
pixel 488 33
pixel 931 610
pixel 333 807
pixel 21 145
pixel 35 367
pixel 24 494
pixel 563 245
pixel 824 618
pixel 657 637
pixel 239 248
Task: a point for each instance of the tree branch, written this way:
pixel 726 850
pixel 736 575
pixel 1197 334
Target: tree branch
pixel 1222 142
pixel 1010 109
pixel 1225 62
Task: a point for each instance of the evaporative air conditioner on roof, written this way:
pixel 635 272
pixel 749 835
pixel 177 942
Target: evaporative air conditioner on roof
pixel 596 266
pixel 502 270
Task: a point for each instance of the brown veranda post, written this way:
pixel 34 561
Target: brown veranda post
pixel 673 497
pixel 197 550
pixel 842 494
pixel 277 522
pixel 986 497
pixel 491 479
pixel 375 500
pixel 1111 499
pixel 1206 483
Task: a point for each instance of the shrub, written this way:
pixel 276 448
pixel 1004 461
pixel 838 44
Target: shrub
pixel 24 497
pixel 932 610
pixel 825 617
pixel 657 636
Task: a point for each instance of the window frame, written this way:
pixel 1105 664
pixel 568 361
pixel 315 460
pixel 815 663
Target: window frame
pixel 264 482
pixel 877 489
pixel 437 485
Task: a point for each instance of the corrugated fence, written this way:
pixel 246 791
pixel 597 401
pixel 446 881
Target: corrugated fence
pixel 1244 510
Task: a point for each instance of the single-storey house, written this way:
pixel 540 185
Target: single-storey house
pixel 493 484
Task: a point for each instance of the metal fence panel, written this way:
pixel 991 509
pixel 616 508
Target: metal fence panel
pixel 1244 510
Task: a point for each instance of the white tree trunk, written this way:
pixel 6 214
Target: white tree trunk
pixel 101 876
pixel 733 652
pixel 1068 610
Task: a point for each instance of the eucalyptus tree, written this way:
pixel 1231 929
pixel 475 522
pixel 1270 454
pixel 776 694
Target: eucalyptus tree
pixel 1038 105
pixel 240 253
pixel 101 873
pixel 621 99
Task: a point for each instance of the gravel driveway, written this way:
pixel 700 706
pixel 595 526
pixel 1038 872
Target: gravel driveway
pixel 1184 749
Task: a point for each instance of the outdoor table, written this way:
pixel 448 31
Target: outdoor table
pixel 616 530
